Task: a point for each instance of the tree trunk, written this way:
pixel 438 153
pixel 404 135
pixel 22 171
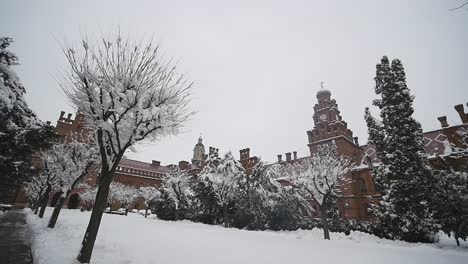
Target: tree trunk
pixel 225 218
pixel 176 214
pixel 146 211
pixel 89 239
pixel 459 231
pixel 35 207
pixel 326 233
pixel 56 212
pixel 44 201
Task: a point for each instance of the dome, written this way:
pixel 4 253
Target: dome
pixel 323 94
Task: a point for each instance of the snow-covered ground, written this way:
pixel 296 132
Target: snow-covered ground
pixel 134 239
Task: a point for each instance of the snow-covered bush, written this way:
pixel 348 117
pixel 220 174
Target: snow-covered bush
pixel 150 194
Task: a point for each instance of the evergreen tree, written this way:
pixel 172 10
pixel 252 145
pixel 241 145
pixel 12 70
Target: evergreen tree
pixel 224 182
pixel 21 133
pixel 451 198
pixel 258 195
pixel 403 177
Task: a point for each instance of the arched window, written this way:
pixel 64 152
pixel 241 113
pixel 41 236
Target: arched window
pixel 362 185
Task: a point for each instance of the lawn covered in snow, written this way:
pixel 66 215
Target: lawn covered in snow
pixel 135 240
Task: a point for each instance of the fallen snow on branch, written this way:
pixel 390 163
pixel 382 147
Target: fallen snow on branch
pixel 134 239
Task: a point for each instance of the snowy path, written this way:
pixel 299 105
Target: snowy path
pixel 14 238
pixel 134 239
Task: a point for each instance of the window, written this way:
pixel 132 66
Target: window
pixel 362 185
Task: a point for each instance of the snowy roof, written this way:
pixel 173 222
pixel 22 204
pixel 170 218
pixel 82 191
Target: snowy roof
pixel 135 164
pixel 435 143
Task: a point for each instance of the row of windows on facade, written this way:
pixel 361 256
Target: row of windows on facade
pixel 141 172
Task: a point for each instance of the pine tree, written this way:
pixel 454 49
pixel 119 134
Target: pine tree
pixel 451 198
pixel 205 207
pixel 403 176
pixel 21 133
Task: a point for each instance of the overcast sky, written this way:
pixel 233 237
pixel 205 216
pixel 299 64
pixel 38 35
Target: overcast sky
pixel 257 66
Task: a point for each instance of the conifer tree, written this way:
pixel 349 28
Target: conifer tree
pixel 403 176
pixel 21 133
pixel 451 198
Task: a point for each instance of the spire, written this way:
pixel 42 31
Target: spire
pixel 322 92
pixel 198 152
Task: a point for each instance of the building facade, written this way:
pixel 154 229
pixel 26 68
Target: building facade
pixel 445 144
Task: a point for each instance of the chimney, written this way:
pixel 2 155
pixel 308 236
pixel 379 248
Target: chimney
pixel 461 112
pixel 156 163
pixel 183 164
pixel 279 158
pixel 356 140
pixel 443 121
pixel 244 154
pixel 288 156
pixel 295 155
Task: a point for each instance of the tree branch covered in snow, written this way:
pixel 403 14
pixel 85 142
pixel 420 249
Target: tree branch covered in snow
pixel 321 178
pixel 127 94
pixel 322 175
pixel 121 193
pixel 176 185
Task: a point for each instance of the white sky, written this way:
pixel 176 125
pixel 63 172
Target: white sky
pixel 257 66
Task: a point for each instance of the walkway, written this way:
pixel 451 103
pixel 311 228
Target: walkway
pixel 14 238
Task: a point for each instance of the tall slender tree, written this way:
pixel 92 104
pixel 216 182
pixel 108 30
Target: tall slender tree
pixel 403 176
pixel 127 94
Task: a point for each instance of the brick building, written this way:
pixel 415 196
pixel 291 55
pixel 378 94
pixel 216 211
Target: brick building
pixel 445 143
pixel 330 127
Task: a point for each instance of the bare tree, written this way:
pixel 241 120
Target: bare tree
pixel 88 196
pixel 127 94
pixel 321 178
pixel 47 178
pixel 150 194
pixel 121 193
pixel 35 190
pixel 72 161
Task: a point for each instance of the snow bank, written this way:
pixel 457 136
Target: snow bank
pixel 134 239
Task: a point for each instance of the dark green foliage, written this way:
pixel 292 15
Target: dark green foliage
pixel 21 133
pixel 403 177
pixel 451 201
